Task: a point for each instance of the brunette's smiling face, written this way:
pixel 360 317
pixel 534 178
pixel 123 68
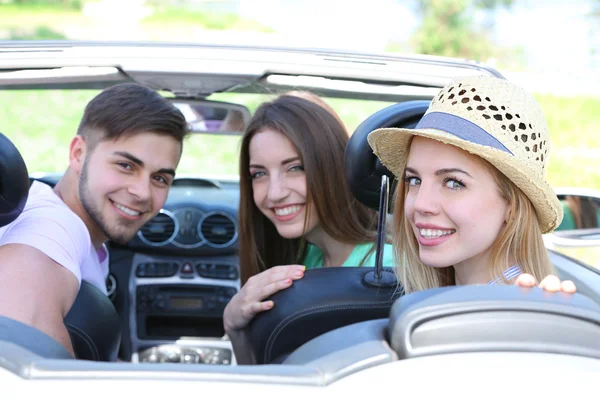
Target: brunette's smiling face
pixel 279 183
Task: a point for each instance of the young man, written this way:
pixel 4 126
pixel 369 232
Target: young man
pixel 121 165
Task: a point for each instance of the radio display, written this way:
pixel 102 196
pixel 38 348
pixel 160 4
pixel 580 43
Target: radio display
pixel 186 302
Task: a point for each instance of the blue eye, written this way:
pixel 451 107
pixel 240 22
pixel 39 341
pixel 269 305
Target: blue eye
pixel 296 168
pixel 454 184
pixel 257 174
pixel 412 180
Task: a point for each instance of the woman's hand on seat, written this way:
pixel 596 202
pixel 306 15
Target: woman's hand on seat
pixel 249 301
pixel 551 283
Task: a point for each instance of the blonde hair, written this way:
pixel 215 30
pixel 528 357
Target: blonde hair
pixel 520 240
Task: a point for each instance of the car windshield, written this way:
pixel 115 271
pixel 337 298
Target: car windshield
pixel 42 123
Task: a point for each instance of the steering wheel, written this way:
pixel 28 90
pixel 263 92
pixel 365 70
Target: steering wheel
pixel 14 182
pixel 330 298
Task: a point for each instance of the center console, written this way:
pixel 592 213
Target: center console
pixel 177 308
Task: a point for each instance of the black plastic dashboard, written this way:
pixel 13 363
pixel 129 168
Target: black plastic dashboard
pixel 182 270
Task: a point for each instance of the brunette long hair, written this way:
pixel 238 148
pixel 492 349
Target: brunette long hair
pixel 320 140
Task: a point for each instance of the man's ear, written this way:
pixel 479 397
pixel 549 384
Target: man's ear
pixel 77 153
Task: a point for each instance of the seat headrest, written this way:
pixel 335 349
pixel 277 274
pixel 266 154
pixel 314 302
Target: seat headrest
pixel 362 168
pixel 14 182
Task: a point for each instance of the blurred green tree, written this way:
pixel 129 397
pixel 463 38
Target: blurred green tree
pixel 64 4
pixel 36 33
pixel 449 27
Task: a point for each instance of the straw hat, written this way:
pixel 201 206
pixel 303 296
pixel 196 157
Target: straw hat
pixel 491 118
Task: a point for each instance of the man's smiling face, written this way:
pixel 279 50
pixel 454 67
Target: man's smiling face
pixel 125 182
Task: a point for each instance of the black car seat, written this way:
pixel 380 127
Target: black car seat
pixel 92 322
pixel 14 182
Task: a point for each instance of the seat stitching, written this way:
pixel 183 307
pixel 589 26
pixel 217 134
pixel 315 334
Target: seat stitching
pixel 87 339
pixel 298 314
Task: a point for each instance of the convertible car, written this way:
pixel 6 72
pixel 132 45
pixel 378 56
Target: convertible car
pixel 338 331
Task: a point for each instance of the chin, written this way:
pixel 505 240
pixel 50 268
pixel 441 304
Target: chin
pixel 435 262
pixel 289 233
pixel 122 238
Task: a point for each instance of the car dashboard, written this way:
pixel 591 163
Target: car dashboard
pixel 182 272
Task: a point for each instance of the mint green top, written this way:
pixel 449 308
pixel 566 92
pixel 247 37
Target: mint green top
pixel 568 221
pixel 314 256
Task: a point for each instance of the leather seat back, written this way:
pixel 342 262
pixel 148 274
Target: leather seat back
pixel 93 325
pixel 323 300
pixel 14 182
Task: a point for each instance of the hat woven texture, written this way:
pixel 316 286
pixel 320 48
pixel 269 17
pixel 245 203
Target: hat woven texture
pixel 491 118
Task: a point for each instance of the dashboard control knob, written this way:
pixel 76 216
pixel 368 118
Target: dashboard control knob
pixel 171 356
pixel 160 304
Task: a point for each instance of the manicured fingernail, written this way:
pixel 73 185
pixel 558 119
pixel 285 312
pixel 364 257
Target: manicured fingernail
pixel 299 274
pixel 271 304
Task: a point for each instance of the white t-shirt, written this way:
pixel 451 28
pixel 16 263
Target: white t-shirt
pixel 49 225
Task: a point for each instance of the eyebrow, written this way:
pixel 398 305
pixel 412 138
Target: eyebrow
pixel 139 162
pixel 442 171
pixel 286 161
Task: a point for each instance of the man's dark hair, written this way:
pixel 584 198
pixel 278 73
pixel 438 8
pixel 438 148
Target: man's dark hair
pixel 127 109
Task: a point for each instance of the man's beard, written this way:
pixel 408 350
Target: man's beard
pixel 121 236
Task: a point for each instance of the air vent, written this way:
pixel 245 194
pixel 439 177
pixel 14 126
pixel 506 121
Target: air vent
pixel 218 229
pixel 160 230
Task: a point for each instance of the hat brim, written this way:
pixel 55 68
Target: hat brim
pixel 391 145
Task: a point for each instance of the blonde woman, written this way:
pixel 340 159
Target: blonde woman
pixel 472 202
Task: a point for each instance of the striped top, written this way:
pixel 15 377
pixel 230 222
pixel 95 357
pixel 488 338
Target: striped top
pixel 509 274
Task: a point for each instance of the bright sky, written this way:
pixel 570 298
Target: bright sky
pixel 335 23
pixel 557 35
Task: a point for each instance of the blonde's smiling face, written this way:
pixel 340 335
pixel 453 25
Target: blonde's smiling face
pixel 453 204
pixel 279 183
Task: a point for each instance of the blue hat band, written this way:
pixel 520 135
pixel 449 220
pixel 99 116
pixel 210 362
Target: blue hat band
pixel 461 128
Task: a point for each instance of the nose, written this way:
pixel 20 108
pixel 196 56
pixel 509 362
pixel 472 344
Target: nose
pixel 426 200
pixel 140 188
pixel 278 189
